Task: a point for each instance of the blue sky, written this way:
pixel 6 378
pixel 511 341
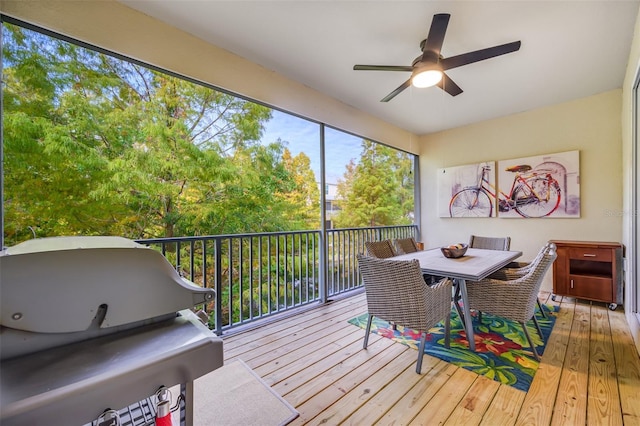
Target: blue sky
pixel 304 136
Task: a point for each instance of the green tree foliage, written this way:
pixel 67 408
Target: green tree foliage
pixel 305 196
pixel 378 190
pixel 94 145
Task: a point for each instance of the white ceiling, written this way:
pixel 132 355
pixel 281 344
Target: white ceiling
pixel 570 49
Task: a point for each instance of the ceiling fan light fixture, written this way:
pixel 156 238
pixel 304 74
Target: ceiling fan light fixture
pixel 426 78
pixel 429 68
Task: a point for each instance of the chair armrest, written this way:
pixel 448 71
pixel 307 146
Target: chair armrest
pixel 439 299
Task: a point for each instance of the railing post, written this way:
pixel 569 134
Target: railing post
pixel 322 276
pixel 322 272
pixel 218 286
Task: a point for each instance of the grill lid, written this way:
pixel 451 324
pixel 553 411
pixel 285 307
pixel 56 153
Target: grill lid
pixel 72 284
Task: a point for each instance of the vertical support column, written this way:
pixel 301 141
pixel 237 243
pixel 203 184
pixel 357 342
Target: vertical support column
pixel 1 157
pixel 322 246
pixel 417 203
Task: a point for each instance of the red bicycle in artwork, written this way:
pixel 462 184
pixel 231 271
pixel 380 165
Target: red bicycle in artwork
pixel 533 194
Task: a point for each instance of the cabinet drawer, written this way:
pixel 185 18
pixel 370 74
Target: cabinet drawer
pixel 592 288
pixel 594 254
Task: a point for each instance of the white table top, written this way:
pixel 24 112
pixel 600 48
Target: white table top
pixel 474 265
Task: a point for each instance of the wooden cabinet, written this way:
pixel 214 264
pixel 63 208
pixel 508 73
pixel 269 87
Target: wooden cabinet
pixel 589 270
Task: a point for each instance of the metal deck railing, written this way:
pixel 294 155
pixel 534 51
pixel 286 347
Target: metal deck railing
pixel 262 274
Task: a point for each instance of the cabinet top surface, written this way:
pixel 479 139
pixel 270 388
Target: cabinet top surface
pixel 572 243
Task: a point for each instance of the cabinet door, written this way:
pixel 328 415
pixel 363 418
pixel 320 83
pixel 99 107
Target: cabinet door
pixel 561 272
pixel 592 288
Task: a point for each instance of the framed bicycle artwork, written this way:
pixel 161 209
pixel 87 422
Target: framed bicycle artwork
pixel 531 187
pixel 467 191
pixel 549 186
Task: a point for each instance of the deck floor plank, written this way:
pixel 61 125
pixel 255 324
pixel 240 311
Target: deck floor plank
pixel 440 407
pixel 628 368
pixel 411 403
pixel 603 400
pixel 304 344
pixel 504 407
pixel 291 363
pixel 472 407
pixel 327 397
pixel 283 335
pixel 337 412
pixel 571 402
pixel 316 362
pixel 374 354
pixel 301 371
pixel 382 402
pixel 537 408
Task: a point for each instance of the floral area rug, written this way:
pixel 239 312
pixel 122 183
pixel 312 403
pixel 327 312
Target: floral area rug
pixel 502 351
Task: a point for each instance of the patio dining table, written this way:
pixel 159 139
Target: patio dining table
pixel 475 265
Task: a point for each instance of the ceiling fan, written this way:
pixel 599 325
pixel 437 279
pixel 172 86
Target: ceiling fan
pixel 428 69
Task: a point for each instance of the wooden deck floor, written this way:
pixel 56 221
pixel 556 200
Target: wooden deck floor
pixel 589 374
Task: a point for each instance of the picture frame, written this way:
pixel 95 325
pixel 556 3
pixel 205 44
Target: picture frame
pixel 541 186
pixel 467 190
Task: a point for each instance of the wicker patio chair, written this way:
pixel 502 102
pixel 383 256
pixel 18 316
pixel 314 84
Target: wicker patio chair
pixel 409 245
pixel 397 293
pixel 522 269
pixel 512 299
pixel 490 243
pixel 406 245
pixel 380 249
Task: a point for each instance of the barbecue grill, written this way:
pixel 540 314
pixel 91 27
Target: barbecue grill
pixel 92 323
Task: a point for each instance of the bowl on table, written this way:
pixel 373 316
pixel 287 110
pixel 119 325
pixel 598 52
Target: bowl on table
pixel 454 251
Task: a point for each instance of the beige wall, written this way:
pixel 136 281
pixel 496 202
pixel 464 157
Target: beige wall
pixel 117 28
pixel 633 69
pixel 590 125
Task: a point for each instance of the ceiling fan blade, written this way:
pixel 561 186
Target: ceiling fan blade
pixel 449 85
pixel 433 44
pixel 479 55
pixel 382 68
pixel 397 91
